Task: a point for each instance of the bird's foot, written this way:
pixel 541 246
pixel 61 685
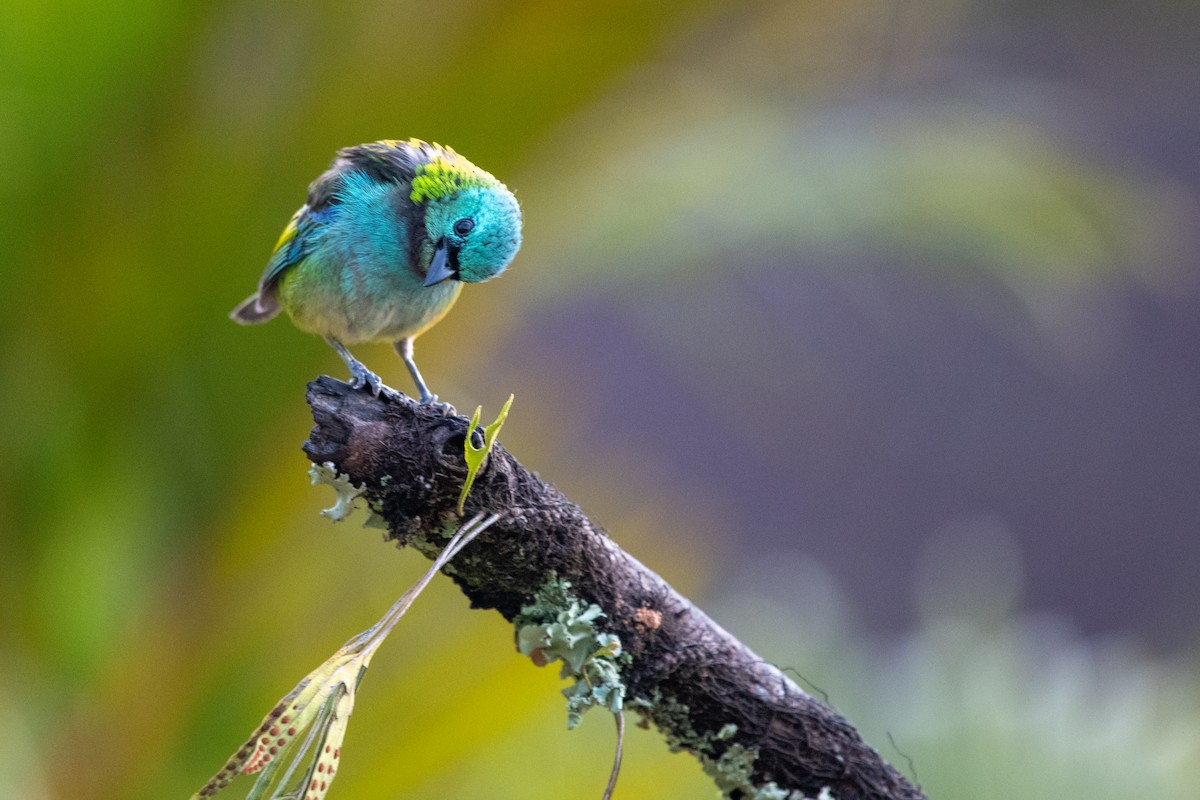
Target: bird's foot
pixel 360 376
pixel 445 409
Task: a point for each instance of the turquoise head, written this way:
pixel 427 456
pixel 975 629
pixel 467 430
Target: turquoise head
pixel 472 221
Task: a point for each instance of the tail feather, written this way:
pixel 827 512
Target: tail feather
pixel 255 309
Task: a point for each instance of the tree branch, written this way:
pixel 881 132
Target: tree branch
pixel 686 674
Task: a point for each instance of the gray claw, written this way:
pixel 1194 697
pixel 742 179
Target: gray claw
pixel 360 376
pixel 445 408
pixel 375 383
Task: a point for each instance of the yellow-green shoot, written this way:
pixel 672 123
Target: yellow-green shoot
pixel 476 455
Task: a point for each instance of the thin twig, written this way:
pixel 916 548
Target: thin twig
pixel 616 767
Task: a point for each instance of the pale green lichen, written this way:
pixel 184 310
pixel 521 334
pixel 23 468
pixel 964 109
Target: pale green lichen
pixel 731 771
pixel 771 791
pixel 557 626
pixel 730 767
pixel 727 731
pixel 348 495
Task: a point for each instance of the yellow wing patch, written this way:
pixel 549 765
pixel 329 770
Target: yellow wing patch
pixel 290 230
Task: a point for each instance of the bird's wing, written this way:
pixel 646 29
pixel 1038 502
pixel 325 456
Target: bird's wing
pixel 386 161
pixel 383 162
pixel 293 245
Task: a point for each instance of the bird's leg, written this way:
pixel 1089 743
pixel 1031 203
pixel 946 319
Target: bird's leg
pixel 405 348
pixel 359 375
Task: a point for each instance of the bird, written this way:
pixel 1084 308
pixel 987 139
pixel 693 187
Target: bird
pixel 382 246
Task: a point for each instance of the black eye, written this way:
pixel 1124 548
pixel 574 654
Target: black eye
pixel 464 226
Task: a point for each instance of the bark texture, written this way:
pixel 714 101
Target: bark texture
pixel 692 676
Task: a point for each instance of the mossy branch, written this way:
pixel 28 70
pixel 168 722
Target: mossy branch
pixel 754 730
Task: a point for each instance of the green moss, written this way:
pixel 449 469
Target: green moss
pixel 732 771
pixel 730 767
pixel 673 719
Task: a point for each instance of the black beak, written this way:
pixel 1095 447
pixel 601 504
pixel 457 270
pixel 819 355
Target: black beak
pixel 444 264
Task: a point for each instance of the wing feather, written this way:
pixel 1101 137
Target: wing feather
pixel 387 161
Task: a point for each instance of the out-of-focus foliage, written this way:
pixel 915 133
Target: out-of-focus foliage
pixel 841 279
pixel 977 702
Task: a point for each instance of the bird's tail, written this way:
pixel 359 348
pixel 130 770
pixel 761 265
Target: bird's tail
pixel 255 309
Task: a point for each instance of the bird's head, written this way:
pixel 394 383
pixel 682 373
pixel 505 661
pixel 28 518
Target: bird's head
pixel 472 220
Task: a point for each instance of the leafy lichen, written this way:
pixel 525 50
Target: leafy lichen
pixel 348 495
pixel 557 626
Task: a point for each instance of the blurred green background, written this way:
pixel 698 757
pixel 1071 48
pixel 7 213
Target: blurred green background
pixel 872 326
